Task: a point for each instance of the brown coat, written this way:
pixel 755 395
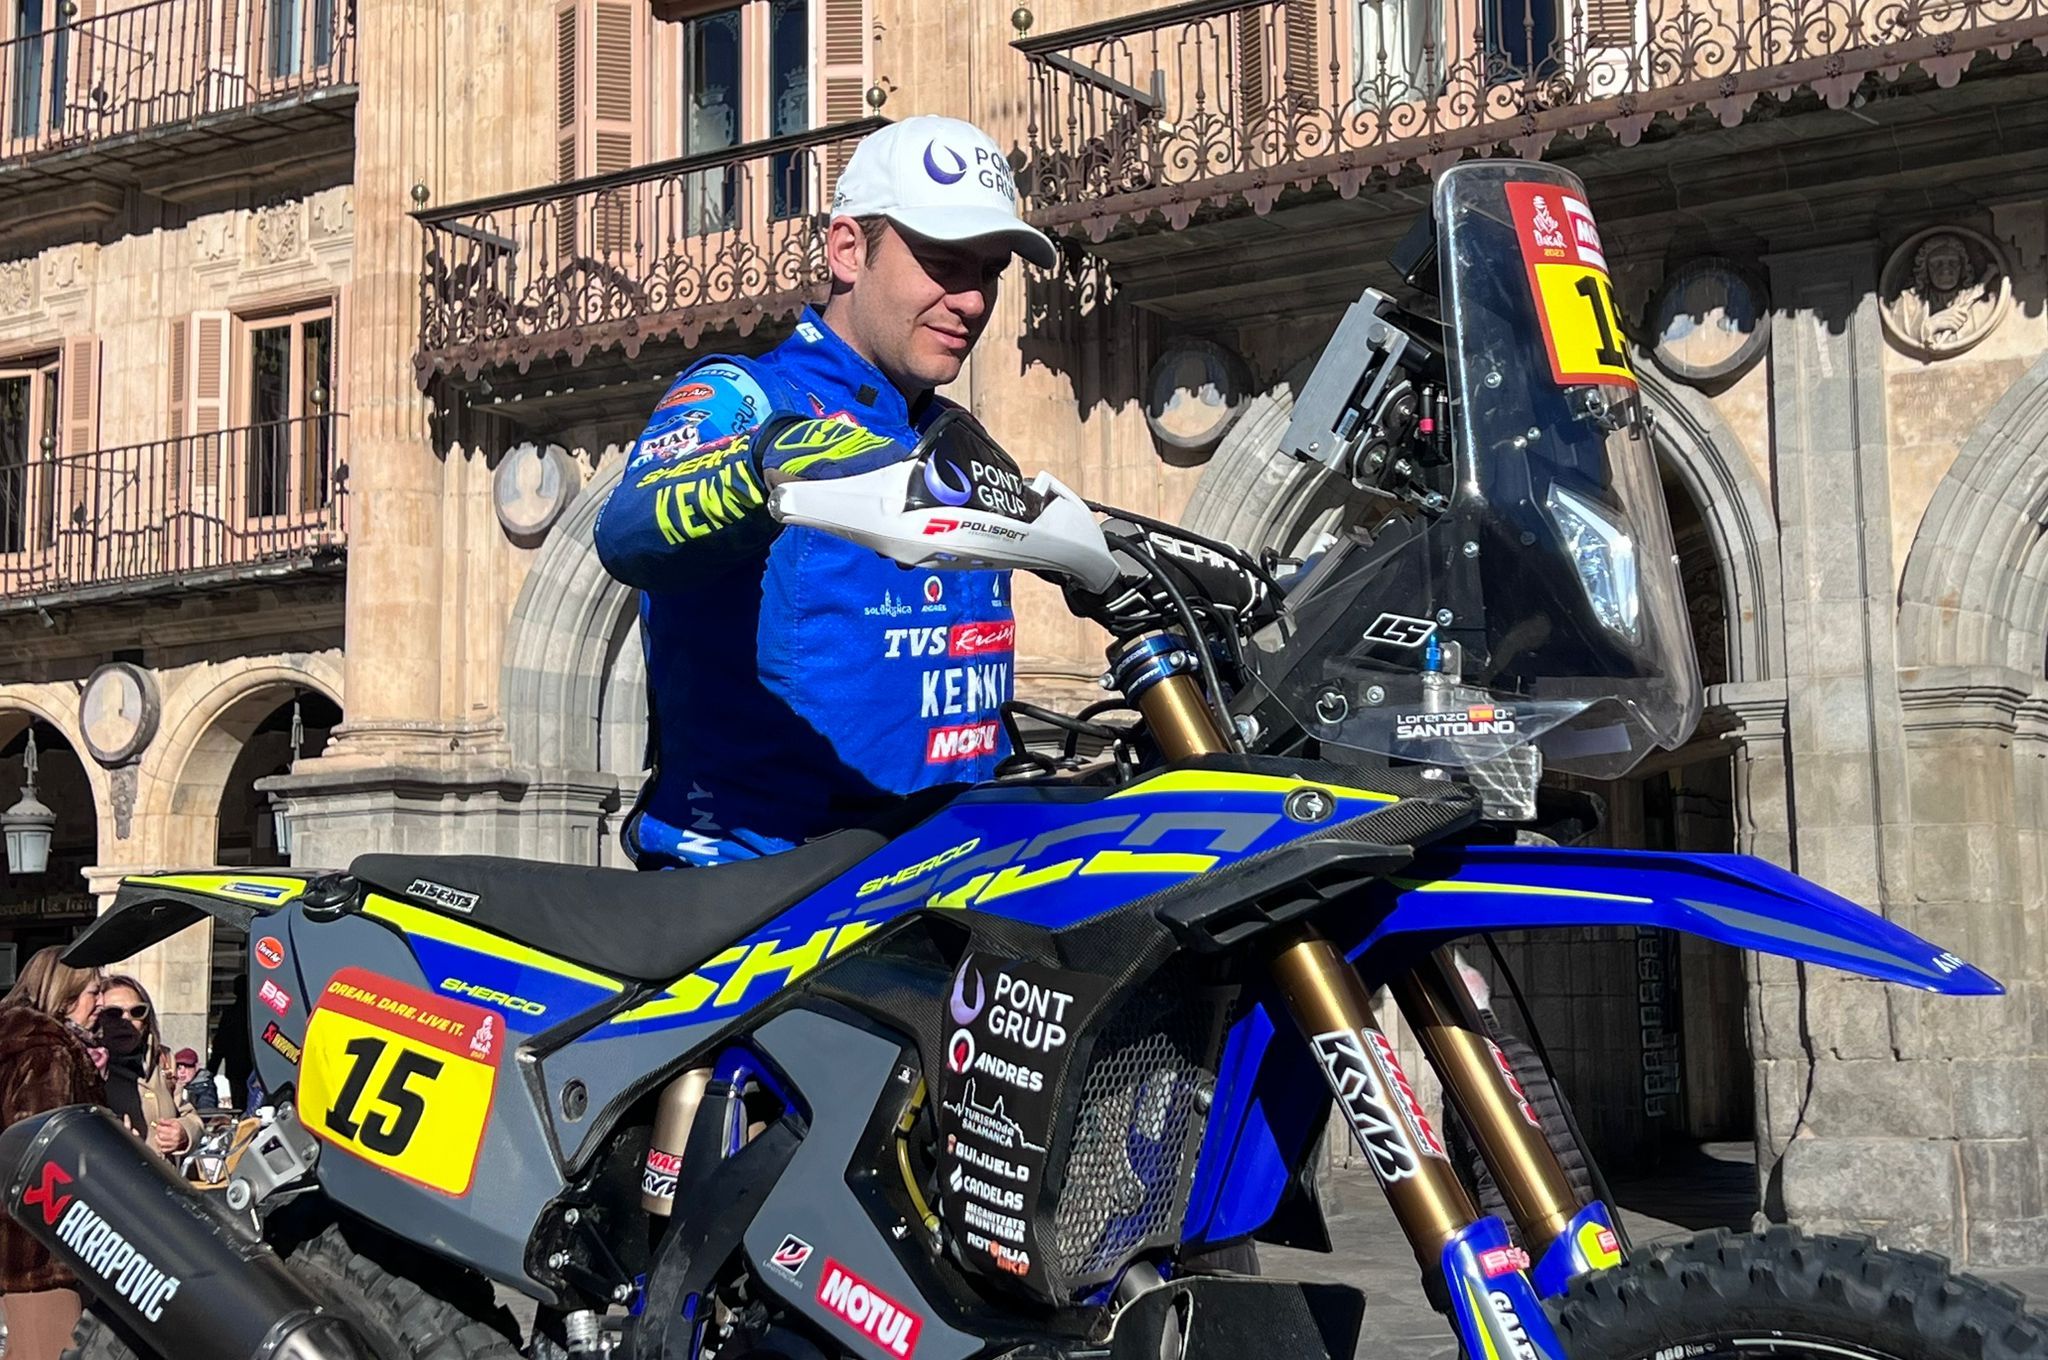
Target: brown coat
pixel 41 1067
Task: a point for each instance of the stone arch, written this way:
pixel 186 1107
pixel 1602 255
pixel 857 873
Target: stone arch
pixel 1253 494
pixel 1708 459
pixel 562 640
pixel 207 719
pixel 56 704
pixel 1975 587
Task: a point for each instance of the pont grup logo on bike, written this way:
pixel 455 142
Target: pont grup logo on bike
pixel 1012 1027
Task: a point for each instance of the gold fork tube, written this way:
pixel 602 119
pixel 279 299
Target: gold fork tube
pixel 1177 712
pixel 1499 1116
pixel 1323 993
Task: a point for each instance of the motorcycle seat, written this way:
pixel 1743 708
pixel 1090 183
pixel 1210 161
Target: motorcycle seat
pixel 643 927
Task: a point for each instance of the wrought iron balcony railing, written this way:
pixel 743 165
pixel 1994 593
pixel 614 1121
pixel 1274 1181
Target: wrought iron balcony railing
pixel 1223 100
pixel 728 238
pixel 163 64
pixel 256 500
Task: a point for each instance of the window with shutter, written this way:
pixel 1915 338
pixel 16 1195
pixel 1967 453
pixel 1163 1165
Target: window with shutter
pixel 616 109
pixel 568 125
pixel 843 76
pixel 207 407
pixel 1303 51
pixel 81 387
pixel 1253 43
pixel 1610 23
pixel 177 408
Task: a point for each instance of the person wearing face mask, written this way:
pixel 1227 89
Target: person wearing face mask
pixel 139 1086
pixel 799 684
pixel 44 1064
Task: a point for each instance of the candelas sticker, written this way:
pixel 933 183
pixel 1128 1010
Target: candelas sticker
pixel 1567 270
pixel 400 1077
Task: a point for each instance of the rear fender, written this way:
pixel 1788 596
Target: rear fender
pixel 1738 900
pixel 150 908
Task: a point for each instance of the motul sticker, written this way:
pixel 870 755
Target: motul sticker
pixel 964 742
pixel 869 1311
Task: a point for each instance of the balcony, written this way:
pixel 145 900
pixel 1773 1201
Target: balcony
pixel 133 90
pixel 666 252
pixel 1229 103
pixel 252 503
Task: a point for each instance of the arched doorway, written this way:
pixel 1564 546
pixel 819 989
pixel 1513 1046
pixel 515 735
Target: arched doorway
pixel 291 728
pixel 51 907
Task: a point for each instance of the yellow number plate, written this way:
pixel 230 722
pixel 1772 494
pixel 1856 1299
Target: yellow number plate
pixel 1574 298
pixel 400 1077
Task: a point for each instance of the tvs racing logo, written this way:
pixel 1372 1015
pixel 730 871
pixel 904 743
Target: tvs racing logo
pixel 869 1311
pixel 45 1193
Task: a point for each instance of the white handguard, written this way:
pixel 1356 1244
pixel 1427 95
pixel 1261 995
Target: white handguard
pixel 1062 541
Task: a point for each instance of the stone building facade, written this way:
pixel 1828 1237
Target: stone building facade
pixel 1829 238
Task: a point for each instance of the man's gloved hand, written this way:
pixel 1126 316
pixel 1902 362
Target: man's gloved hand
pixel 818 448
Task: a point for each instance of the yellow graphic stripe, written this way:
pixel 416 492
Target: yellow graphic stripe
pixel 428 925
pixel 1212 781
pixel 216 885
pixel 1479 1320
pixel 1465 885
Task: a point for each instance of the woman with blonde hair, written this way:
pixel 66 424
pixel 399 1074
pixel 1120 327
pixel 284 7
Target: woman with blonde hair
pixel 46 1061
pixel 139 1086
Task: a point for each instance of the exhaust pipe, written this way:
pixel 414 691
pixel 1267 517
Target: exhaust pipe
pixel 177 1272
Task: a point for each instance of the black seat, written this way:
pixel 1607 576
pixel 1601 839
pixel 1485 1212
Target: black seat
pixel 648 927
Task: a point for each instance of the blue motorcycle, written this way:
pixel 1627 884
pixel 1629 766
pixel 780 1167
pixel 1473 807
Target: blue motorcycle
pixel 1021 1073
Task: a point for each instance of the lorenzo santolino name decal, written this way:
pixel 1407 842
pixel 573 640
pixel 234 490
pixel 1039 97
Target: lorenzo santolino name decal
pixel 1013 1028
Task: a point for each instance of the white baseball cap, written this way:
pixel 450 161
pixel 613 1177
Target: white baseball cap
pixel 941 179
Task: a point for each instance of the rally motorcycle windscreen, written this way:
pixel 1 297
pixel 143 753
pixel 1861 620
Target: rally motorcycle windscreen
pixel 1546 587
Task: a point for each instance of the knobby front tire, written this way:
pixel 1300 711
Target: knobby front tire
pixel 1782 1293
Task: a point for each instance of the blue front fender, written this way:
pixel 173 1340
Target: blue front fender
pixel 1737 899
pixel 1268 1106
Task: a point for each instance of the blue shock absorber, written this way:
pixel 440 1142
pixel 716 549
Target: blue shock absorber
pixel 1496 1308
pixel 1587 1243
pixel 1144 661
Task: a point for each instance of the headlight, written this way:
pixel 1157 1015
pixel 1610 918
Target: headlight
pixel 1605 558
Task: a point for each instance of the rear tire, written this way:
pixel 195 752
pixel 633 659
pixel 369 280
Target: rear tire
pixel 402 1320
pixel 1783 1293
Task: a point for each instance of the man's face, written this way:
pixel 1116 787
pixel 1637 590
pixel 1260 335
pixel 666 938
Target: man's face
pixel 918 306
pixel 185 1072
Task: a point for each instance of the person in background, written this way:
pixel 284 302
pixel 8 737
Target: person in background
pixel 196 1083
pixel 44 1064
pixel 231 1055
pixel 139 1088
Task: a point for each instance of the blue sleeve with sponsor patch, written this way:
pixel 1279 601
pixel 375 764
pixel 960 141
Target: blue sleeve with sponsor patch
pixel 691 499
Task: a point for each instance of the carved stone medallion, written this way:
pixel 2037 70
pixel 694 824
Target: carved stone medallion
pixel 1944 290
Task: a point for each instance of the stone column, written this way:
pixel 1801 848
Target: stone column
pixel 1862 1138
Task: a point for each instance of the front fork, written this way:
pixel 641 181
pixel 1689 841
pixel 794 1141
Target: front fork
pixel 1471 1268
pixel 1468 1263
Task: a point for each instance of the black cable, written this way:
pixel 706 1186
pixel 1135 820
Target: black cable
pixel 1197 644
pixel 1564 1104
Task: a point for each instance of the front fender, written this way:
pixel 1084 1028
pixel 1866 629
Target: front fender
pixel 1737 899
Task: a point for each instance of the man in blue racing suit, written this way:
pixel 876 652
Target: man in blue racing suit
pixel 797 683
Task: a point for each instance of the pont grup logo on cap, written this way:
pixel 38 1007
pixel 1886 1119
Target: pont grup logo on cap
pixel 947 166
